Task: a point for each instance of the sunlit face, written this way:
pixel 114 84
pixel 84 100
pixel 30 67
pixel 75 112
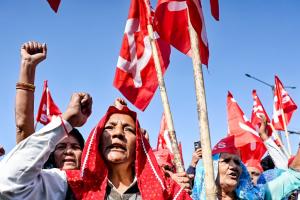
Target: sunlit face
pixel 254 174
pixel 117 143
pixel 67 154
pixel 229 171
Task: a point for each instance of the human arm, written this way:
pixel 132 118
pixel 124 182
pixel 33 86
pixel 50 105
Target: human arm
pixel 32 53
pixel 279 158
pixel 22 176
pixel 197 155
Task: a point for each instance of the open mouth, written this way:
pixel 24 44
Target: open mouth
pixel 234 175
pixel 117 147
pixel 69 160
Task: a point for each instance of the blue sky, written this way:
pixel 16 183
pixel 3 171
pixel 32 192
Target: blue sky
pixel 84 38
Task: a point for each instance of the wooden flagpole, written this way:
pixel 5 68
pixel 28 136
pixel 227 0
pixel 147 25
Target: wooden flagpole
pixel 286 133
pixel 202 115
pixel 163 93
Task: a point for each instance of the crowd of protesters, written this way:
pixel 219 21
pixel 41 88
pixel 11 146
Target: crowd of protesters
pixel 117 162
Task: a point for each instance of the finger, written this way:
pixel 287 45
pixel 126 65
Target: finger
pixel 181 174
pixel 35 46
pixel 25 46
pixel 169 172
pixel 44 48
pixel 191 176
pixel 30 46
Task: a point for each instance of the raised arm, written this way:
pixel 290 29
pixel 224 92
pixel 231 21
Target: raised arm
pixel 22 176
pixel 279 158
pixel 32 53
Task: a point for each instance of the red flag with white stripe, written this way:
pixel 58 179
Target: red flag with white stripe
pixel 283 103
pixel 247 140
pixel 171 23
pixel 258 110
pixel 47 107
pixel 163 141
pixel 135 75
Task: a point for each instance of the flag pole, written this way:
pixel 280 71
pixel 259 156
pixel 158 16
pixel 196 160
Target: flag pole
pixel 286 132
pixel 202 115
pixel 163 93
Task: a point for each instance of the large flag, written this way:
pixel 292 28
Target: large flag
pixel 258 110
pixel 283 103
pixel 54 4
pixel 247 140
pixel 171 23
pixel 47 107
pixel 135 75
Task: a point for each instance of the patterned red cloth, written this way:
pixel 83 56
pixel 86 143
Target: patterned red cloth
pixel 91 180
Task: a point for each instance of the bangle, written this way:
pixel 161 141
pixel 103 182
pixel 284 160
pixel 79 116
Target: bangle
pixel 25 86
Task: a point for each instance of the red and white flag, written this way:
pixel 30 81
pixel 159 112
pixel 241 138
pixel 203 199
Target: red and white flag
pixel 47 107
pixel 135 75
pixel 247 140
pixel 163 141
pixel 54 4
pixel 283 103
pixel 171 23
pixel 258 110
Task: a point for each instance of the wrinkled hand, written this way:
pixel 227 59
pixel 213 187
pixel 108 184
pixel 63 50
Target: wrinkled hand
pixel 33 53
pixel 263 128
pixel 120 103
pixel 197 155
pixel 2 151
pixel 79 109
pixel 183 179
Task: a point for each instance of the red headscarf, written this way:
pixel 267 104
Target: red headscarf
pixel 226 145
pixel 90 181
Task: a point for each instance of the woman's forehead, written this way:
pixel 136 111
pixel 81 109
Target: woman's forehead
pixel 123 118
pixel 229 155
pixel 70 139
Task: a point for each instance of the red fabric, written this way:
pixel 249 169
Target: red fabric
pixel 257 110
pixel 171 22
pixel 135 75
pixel 90 181
pixel 214 7
pixel 163 157
pixel 290 161
pixel 254 163
pixel 246 138
pixel 54 4
pixel 226 145
pixel 282 102
pixel 163 140
pixel 47 107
